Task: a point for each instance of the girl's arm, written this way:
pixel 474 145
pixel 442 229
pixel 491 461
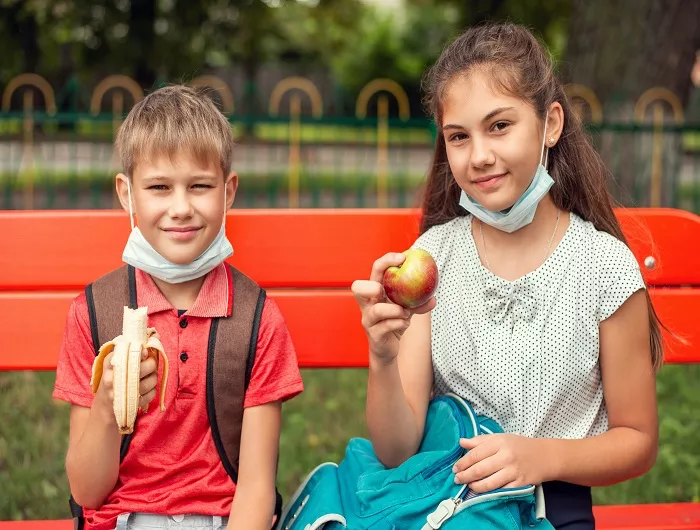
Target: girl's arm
pixel 400 368
pixel 254 501
pixel 628 449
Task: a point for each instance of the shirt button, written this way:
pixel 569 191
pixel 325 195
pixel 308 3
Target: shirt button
pixel 183 323
pixel 183 357
pixel 178 518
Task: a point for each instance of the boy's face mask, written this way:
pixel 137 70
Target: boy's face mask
pixel 140 254
pixel 523 211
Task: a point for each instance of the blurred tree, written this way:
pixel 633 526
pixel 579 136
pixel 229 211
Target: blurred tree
pixel 19 34
pixel 620 48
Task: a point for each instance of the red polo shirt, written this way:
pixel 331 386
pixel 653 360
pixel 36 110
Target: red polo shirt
pixel 172 466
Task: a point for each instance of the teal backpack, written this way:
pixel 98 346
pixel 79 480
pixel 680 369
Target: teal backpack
pixel 361 494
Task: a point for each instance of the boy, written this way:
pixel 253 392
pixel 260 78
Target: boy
pixel 176 150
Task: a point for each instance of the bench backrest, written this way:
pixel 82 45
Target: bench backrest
pixel 307 259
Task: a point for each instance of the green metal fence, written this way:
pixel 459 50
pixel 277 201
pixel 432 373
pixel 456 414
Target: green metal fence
pixel 64 160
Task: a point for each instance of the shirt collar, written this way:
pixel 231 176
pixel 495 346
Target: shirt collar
pixel 215 298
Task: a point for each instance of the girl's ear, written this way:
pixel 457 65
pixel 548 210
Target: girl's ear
pixel 555 124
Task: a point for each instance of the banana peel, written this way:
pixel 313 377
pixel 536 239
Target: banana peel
pixel 126 364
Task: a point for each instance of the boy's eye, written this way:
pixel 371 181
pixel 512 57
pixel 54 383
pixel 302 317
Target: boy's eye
pixel 203 186
pixel 501 125
pixel 158 187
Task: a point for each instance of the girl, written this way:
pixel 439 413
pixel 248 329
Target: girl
pixel 541 319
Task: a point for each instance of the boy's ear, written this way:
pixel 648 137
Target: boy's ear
pixel 231 187
pixel 123 191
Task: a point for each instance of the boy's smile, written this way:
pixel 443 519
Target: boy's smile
pixel 178 203
pixel 185 233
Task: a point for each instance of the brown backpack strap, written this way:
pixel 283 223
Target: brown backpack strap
pixel 230 358
pixel 106 298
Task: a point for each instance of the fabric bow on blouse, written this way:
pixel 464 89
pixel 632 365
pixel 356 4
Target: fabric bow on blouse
pixel 516 298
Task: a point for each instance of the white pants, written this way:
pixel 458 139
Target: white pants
pixel 149 521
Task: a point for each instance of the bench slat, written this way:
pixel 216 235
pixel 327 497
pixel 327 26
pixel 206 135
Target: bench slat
pixel 672 516
pixel 324 324
pixel 64 250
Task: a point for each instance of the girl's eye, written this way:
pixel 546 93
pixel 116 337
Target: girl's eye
pixel 457 137
pixel 501 125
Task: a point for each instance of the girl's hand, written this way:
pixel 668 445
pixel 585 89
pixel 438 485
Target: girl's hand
pixel 384 321
pixel 501 461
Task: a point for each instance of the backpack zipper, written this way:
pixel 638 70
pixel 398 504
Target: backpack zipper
pixel 447 508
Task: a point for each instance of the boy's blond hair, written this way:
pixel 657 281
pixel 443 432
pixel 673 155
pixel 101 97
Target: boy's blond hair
pixel 171 120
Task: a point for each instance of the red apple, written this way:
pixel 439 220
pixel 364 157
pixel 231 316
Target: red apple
pixel 412 283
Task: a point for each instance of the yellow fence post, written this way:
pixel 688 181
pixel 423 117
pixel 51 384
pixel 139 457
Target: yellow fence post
pixel 44 87
pixel 306 86
pixel 370 89
pixel 574 91
pixel 108 83
pixel 655 95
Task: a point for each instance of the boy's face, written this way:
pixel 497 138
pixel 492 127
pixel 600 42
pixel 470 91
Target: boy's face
pixel 178 203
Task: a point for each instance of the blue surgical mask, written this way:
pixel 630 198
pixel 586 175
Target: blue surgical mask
pixel 140 254
pixel 523 211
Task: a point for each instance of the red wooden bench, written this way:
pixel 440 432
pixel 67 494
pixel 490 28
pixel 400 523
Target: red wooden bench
pixel 307 260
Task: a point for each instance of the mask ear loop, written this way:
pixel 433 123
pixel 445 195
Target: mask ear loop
pixel 544 151
pixel 131 211
pixel 223 225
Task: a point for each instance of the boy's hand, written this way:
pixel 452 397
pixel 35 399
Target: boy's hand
pixel 149 379
pixel 384 321
pixel 104 398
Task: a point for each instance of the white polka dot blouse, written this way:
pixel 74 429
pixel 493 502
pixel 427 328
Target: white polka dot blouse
pixel 525 353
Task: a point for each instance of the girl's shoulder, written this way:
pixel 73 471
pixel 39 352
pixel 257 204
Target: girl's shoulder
pixel 604 246
pixel 610 257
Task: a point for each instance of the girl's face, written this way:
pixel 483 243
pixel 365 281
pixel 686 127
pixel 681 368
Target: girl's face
pixel 493 140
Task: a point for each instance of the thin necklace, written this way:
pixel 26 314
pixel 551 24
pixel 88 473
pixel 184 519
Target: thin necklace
pixel 549 247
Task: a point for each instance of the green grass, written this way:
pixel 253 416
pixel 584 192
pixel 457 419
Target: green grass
pixel 316 427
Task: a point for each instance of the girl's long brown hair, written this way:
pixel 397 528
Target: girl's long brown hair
pixel 519 65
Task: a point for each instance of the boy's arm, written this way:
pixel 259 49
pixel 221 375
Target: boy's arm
pixel 275 378
pixel 254 502
pixel 92 462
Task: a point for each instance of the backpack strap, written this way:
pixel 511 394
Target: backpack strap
pixel 106 298
pixel 230 359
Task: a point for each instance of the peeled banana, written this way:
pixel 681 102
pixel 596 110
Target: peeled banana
pixel 126 364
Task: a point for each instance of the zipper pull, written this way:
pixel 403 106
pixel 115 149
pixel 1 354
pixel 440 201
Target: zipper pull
pixel 443 512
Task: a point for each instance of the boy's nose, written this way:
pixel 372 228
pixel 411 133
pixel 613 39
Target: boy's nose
pixel 180 206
